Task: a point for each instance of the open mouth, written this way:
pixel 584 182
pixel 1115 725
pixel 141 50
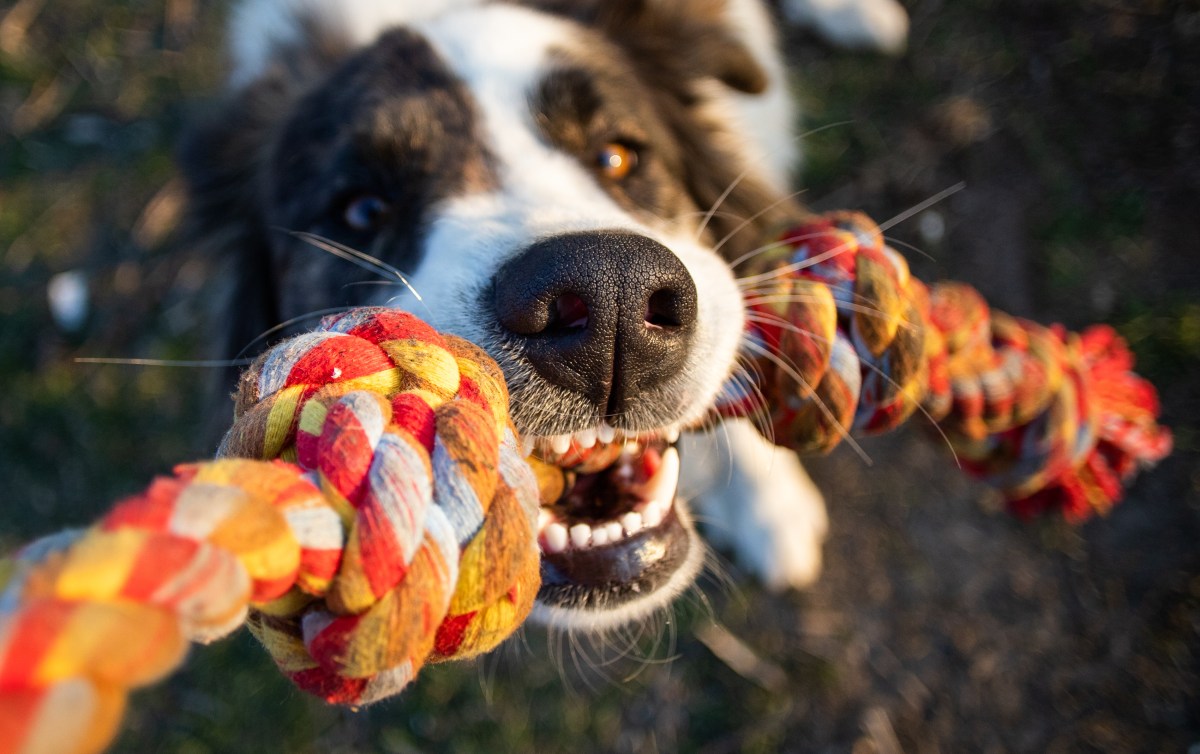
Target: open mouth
pixel 609 528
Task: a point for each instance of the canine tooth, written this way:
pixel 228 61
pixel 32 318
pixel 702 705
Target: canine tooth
pixel 606 433
pixel 614 530
pixel 632 522
pixel 586 438
pixel 652 514
pixel 673 435
pixel 599 536
pixel 661 488
pixel 581 535
pixel 555 537
pixel 544 517
pixel 560 443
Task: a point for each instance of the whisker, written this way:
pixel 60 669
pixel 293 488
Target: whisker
pixel 380 283
pixel 883 228
pixel 914 249
pixel 773 245
pixel 741 226
pixel 721 199
pixel 354 256
pixel 771 319
pixel 790 370
pixel 796 298
pixel 753 166
pixel 210 363
pixel 761 417
pixel 288 323
pixel 921 206
pixel 801 265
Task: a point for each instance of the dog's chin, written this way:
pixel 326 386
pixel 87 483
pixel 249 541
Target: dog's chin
pixel 616 542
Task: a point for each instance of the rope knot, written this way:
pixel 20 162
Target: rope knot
pixel 846 340
pixel 430 510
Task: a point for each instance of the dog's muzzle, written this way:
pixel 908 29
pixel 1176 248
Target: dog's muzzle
pixel 606 321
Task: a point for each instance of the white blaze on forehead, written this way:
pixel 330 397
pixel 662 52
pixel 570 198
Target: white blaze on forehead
pixel 259 28
pixel 501 53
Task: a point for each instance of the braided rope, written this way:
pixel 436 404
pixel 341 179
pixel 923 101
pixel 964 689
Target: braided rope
pixel 398 528
pixel 845 339
pixel 402 534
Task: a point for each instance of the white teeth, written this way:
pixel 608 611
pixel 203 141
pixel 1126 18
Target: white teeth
pixel 581 535
pixel 652 514
pixel 658 492
pixel 587 438
pixel 612 530
pixel 555 537
pixel 632 522
pixel 662 487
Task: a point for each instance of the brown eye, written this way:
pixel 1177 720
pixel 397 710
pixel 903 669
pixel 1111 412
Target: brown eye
pixel 616 161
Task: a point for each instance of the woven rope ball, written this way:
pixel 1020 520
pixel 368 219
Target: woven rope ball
pixel 406 432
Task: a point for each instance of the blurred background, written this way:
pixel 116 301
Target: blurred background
pixel 940 624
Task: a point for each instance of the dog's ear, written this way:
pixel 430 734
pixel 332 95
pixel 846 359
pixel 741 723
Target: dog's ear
pixel 224 159
pixel 683 39
pixel 691 37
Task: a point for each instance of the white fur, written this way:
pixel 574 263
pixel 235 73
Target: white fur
pixel 772 515
pixel 762 122
pixel 870 24
pixel 500 52
pixel 755 499
pixel 758 125
pixel 260 27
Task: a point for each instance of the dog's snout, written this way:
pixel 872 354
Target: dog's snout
pixel 607 315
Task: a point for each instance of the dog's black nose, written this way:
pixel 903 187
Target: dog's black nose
pixel 607 314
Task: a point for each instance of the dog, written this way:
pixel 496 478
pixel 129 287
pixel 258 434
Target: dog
pixel 566 184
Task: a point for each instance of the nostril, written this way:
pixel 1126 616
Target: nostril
pixel 663 310
pixel 570 315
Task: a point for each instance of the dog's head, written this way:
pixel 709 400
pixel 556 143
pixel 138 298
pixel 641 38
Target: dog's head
pixel 559 182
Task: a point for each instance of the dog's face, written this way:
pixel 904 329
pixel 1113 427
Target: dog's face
pixel 550 186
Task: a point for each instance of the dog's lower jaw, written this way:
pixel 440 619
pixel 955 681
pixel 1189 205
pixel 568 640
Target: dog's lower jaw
pixel 672 558
pixel 617 544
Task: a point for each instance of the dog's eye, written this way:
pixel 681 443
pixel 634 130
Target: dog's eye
pixel 365 212
pixel 616 160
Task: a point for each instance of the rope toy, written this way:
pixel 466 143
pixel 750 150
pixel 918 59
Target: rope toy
pixel 844 337
pixel 395 525
pixel 401 534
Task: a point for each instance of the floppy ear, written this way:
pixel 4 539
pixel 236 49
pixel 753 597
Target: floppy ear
pixel 224 158
pixel 685 39
pixel 691 36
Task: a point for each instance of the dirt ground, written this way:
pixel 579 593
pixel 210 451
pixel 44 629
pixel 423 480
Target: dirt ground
pixel 940 624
